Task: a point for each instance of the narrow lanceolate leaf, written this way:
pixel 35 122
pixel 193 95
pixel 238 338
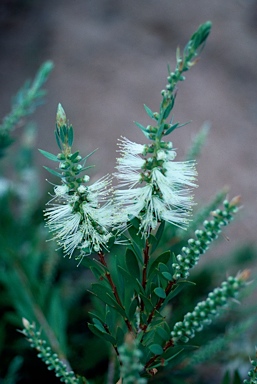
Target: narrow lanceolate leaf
pixel 143 129
pixel 149 112
pixel 156 239
pixel 53 172
pixel 49 155
pixel 104 335
pixel 70 135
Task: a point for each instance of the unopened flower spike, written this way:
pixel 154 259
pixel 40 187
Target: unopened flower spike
pixel 79 214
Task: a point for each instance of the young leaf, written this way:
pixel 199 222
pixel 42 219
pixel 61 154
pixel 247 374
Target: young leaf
pixel 156 349
pixel 103 335
pixel 163 258
pixel 53 172
pixel 73 157
pixel 70 135
pixel 143 129
pixel 149 112
pixel 167 276
pixel 49 155
pixel 160 292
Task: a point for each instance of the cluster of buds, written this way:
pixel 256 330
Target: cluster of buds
pixel 130 356
pixel 196 247
pixel 205 310
pixel 46 354
pixel 252 373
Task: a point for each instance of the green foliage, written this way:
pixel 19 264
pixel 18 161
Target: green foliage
pixel 140 306
pixel 50 358
pixel 252 373
pixel 24 104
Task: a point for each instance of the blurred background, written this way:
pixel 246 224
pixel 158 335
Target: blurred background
pixel 111 57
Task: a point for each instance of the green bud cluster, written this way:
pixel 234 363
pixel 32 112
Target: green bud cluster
pixel 196 247
pixel 205 310
pixel 184 63
pixel 130 356
pixel 46 354
pixel 70 167
pixel 252 373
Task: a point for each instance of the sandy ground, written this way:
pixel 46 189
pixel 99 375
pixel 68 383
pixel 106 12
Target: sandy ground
pixel 111 57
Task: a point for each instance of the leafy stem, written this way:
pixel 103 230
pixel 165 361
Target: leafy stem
pixel 113 287
pixel 160 302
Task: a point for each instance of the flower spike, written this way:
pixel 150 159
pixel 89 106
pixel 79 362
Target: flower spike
pixel 158 188
pixel 79 215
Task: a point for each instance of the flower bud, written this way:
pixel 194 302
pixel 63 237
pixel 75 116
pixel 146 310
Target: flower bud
pixel 61 119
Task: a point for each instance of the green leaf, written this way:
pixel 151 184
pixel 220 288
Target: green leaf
pixel 163 258
pixel 111 318
pixel 176 289
pixel 98 274
pixel 105 294
pixel 199 37
pixel 226 378
pixel 49 155
pixel 98 324
pixel 135 236
pixel 149 112
pixel 99 316
pixel 156 349
pixel 160 292
pixel 73 157
pixel 162 333
pixel 167 276
pixel 169 108
pixel 130 286
pixel 175 126
pixel 148 305
pixel 120 336
pixel 53 172
pixel 158 236
pixel 237 379
pixel 57 139
pixel 161 363
pixel 143 129
pixel 129 279
pixel 101 291
pixel 63 132
pixel 163 267
pixel 171 129
pixel 70 135
pixel 89 263
pixel 104 335
pixel 90 154
pixel 132 309
pixel 132 263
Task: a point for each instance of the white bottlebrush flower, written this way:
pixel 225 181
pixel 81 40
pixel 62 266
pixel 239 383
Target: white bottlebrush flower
pixel 158 188
pixel 77 219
